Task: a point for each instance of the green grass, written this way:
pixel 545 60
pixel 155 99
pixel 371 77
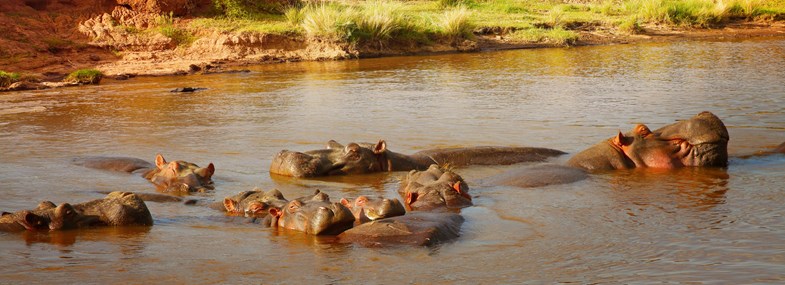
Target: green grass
pixel 55 45
pixel 8 78
pixel 378 22
pixel 166 26
pixel 631 25
pixel 250 9
pixel 275 24
pixel 699 13
pixel 85 76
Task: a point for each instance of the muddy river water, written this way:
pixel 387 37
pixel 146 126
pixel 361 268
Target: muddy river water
pixel 688 225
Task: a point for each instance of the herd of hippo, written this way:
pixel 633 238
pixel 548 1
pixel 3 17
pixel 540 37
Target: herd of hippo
pixel 431 193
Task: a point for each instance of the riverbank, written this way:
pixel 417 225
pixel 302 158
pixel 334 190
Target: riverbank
pixel 43 40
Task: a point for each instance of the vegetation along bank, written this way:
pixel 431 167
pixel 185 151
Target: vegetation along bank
pixel 49 43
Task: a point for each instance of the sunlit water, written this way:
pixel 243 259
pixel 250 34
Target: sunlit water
pixel 689 225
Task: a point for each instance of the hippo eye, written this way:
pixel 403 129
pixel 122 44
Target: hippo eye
pixel 293 207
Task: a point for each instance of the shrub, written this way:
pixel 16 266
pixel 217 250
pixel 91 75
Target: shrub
pixel 631 25
pixel 85 76
pixel 294 15
pixel 167 28
pixel 328 22
pixel 455 23
pixel 741 8
pixel 8 78
pixel 377 21
pixel 450 3
pixel 251 9
pixel 55 45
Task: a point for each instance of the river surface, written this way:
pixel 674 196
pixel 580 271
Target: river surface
pixel 642 226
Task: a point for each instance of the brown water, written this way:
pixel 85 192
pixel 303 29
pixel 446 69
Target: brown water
pixel 689 225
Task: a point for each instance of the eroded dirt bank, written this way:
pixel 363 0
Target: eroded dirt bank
pixel 50 38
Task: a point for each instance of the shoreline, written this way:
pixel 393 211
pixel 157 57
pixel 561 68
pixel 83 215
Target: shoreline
pixel 97 43
pixel 482 43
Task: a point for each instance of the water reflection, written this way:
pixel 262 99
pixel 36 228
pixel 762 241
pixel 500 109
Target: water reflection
pixel 698 188
pixel 112 235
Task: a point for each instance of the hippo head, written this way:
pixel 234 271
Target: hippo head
pixel 181 176
pixel 254 203
pixel 336 159
pixel 433 188
pixel 31 220
pixel 314 215
pixel 370 209
pixel 65 216
pixel 118 209
pixel 700 141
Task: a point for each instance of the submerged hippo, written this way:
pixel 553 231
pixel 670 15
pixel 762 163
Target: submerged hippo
pixel 359 158
pixel 116 209
pixel 24 220
pixel 415 228
pixel 255 203
pixel 366 208
pixel 699 141
pixel 313 214
pixel 176 176
pixel 434 188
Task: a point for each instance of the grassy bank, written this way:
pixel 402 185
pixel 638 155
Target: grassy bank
pixel 378 22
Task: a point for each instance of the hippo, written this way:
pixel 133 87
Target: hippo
pixel 699 141
pixel 313 214
pixel 415 228
pixel 779 149
pixel 366 208
pixel 46 216
pixel 23 220
pixel 172 177
pixel 434 188
pixel 116 209
pixel 255 203
pixel 360 158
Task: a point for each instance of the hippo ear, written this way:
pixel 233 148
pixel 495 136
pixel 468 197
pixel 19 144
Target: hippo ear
pixel 620 140
pixel 380 147
pixel 334 145
pixel 206 172
pixel 160 162
pixel 346 203
pixel 457 187
pixel 231 206
pixel 410 198
pixel 275 212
